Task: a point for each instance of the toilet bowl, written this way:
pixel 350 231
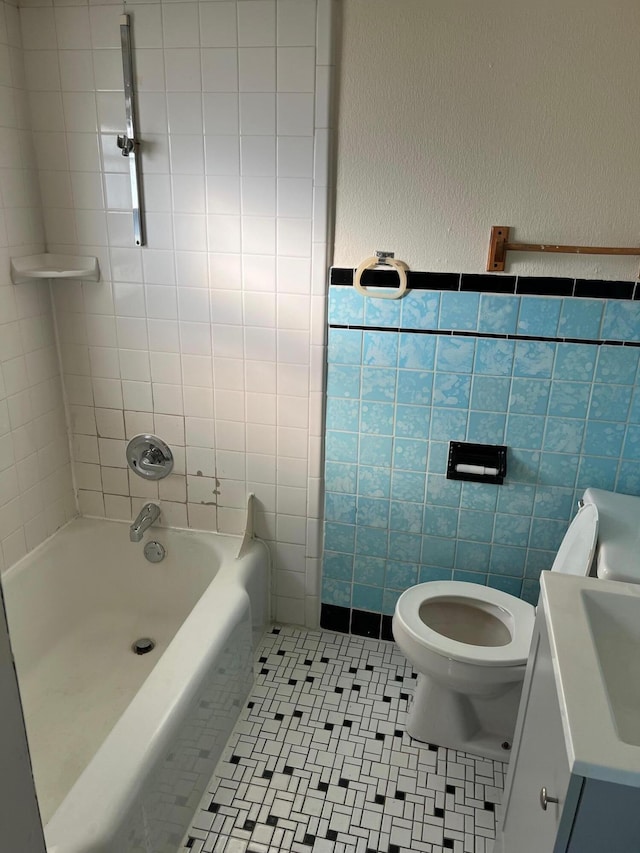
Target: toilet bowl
pixel 469 645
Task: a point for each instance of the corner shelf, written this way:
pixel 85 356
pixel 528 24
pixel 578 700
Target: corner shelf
pixel 54 266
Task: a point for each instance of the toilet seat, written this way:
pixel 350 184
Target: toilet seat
pixel 520 618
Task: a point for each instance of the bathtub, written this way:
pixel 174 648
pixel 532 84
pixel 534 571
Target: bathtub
pixel 123 745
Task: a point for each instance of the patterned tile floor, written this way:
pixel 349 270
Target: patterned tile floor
pixel 320 762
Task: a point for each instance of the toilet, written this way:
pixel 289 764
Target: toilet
pixel 469 643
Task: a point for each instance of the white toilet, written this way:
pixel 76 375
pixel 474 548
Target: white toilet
pixel 469 643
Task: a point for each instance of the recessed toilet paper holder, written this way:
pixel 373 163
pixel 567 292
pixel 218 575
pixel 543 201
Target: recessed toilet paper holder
pixel 477 463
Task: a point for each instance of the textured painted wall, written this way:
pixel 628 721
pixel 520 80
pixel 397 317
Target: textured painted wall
pixel 407 377
pixel 457 115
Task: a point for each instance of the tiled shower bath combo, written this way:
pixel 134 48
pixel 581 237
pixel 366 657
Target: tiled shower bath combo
pixel 547 367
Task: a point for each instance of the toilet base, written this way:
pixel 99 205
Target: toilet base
pixel 477 724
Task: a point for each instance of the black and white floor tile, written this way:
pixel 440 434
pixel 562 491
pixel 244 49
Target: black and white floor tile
pixel 320 762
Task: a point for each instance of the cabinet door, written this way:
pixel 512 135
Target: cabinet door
pixel 540 760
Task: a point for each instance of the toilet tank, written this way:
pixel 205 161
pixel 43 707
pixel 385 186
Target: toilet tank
pixel 618 550
pixel 576 552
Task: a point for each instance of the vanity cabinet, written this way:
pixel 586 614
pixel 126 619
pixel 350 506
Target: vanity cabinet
pixel 547 808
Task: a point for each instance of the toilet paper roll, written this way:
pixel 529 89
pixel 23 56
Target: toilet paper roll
pixel 480 470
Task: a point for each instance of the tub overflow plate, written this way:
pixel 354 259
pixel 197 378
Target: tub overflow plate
pixel 154 551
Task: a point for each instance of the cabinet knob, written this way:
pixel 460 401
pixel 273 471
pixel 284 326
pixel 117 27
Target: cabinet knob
pixel 545 799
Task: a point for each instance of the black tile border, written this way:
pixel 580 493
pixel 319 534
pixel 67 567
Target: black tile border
pixel 461 334
pixel 360 623
pixel 492 283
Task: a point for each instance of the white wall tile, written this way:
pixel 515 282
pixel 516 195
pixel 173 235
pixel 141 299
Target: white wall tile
pixel 219 69
pixel 256 23
pixel 218 24
pixel 296 23
pixel 180 25
pixel 295 114
pixel 257 69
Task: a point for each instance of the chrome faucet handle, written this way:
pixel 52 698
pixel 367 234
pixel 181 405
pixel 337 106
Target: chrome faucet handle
pixel 150 457
pixel 152 460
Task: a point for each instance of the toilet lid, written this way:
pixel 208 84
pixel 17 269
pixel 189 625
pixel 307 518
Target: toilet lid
pixel 519 616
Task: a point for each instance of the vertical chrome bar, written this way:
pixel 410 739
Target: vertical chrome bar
pixel 129 143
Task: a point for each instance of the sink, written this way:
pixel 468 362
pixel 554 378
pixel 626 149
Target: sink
pixel 614 623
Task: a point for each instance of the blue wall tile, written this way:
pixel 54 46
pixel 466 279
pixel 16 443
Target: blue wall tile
pixel 472 556
pixel 410 454
pixel 603 438
pixel 498 313
pixel 486 427
pixel 373 512
pixel 406 516
pixel 379 383
pixel 617 365
pixel 343 414
pixel 533 358
pixel 336 592
pixel 597 472
pixel 459 311
pixel 621 321
pixel 575 362
pixel 437 551
pixel 417 351
pixel 569 399
pixel 525 431
pixel 412 421
pixel 443 492
pixel 344 346
pixel 346 306
pixel 563 435
pixel 469 577
pixel 383 312
pixel 369 570
pixel 374 482
pixel 371 542
pixel 420 310
pixel 530 396
pixel 338 566
pixel 433 573
pixel 490 394
pixel 568 412
pixel 380 349
pixel 539 316
pixel 343 380
pixel 376 450
pixel 506 560
pixel 405 546
pixel 340 507
pixel 377 418
pixel 581 318
pixel 494 357
pixel 455 355
pixel 414 387
pixel 610 402
pixel 341 446
pixel 367 598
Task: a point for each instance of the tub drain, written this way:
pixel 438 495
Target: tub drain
pixel 143 646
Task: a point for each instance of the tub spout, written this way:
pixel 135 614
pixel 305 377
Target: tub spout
pixel 146 517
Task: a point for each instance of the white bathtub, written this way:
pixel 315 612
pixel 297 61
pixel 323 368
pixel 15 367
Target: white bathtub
pixel 123 745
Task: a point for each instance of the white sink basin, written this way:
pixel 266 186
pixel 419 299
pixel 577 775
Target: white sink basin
pixel 594 632
pixel 614 623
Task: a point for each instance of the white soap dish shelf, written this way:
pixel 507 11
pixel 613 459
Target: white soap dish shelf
pixel 54 266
